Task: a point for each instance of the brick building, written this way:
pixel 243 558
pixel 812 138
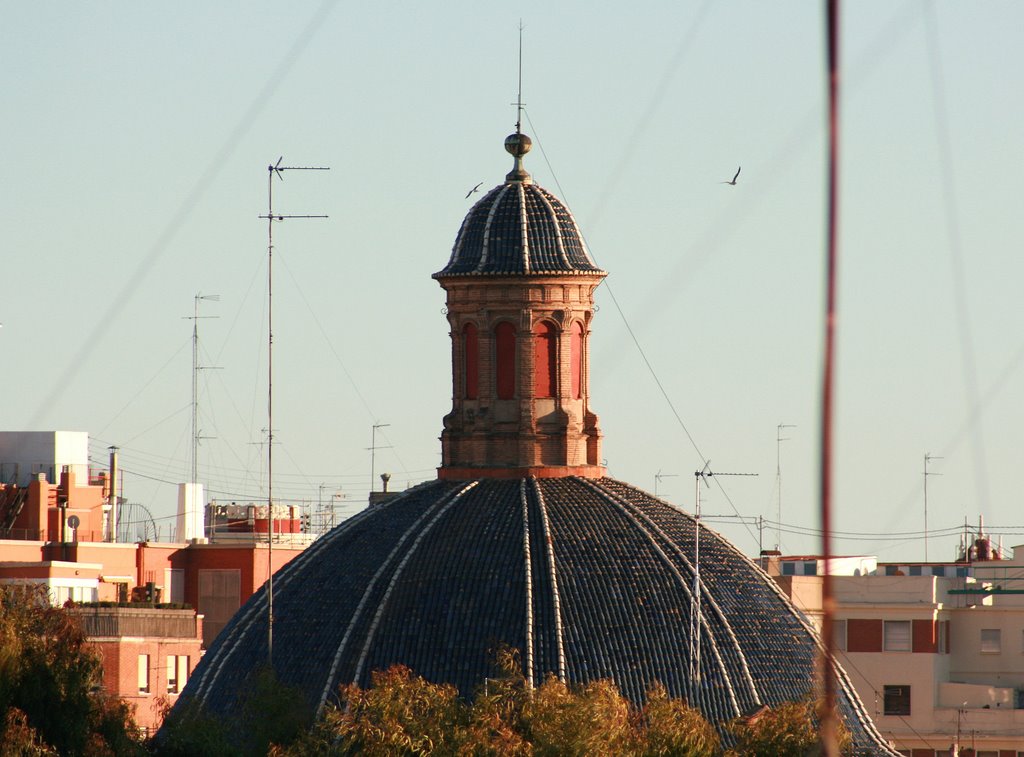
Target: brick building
pixel 131 596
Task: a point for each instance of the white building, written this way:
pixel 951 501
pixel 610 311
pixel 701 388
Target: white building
pixel 935 650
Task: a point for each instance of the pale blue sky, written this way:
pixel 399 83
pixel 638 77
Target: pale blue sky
pixel 136 143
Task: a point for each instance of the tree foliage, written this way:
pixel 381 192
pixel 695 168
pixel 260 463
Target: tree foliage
pixel 403 714
pixel 50 698
pixel 789 730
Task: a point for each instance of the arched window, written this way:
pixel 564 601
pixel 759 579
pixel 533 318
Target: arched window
pixel 470 361
pixel 576 356
pixel 505 360
pixel 545 360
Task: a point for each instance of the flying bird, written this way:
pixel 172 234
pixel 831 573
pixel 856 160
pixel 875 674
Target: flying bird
pixel 733 182
pixel 474 189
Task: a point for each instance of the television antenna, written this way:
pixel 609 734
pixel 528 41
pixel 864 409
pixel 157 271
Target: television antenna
pixel 274 170
pixel 196 434
pixel 779 439
pixel 928 457
pixel 700 476
pixel 373 450
pixel 657 479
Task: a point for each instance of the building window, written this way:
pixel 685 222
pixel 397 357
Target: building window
pixel 177 672
pixel 839 635
pixel 172 674
pixel 939 570
pixel 811 568
pixel 896 636
pixel 991 641
pixel 961 572
pixel 788 569
pixel 470 361
pixel 896 700
pixel 545 359
pixel 505 360
pixel 892 570
pixel 576 355
pixel 915 570
pixel 143 673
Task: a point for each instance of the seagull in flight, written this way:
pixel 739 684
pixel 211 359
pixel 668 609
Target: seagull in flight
pixel 474 189
pixel 733 182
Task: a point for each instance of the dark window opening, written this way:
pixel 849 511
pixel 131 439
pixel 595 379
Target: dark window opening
pixel 505 362
pixel 576 350
pixel 470 361
pixel 897 700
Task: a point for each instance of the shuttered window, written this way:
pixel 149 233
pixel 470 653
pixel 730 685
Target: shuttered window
pixel 897 636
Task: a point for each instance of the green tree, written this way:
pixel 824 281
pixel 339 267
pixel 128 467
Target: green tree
pixel 671 727
pixel 50 698
pixel 400 714
pixel 787 730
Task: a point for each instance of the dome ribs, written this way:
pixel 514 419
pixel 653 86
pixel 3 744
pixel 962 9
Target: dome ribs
pixel 717 693
pixel 528 667
pixel 587 578
pixel 403 552
pixel 609 630
pixel 245 635
pixel 463 598
pixel 518 229
pixel 548 602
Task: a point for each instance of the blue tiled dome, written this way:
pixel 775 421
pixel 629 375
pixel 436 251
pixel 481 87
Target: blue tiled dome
pixel 518 228
pixel 587 578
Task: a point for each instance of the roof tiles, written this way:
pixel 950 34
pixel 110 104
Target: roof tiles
pixel 437 579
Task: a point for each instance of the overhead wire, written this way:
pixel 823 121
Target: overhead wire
pixel 190 202
pixel 958 271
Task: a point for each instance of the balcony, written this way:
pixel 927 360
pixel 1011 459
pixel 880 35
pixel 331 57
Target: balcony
pixel 145 621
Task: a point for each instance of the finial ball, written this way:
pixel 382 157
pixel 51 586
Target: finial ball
pixel 518 144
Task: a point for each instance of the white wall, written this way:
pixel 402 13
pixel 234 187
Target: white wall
pixel 43 451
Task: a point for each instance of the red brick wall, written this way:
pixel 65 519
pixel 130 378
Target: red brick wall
pixel 863 635
pixel 121 669
pixel 922 752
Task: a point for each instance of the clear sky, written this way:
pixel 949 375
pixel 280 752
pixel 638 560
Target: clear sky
pixel 136 143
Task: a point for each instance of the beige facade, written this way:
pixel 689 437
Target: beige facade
pixel 936 651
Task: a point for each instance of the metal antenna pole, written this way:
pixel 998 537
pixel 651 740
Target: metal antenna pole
pixel 278 169
pixel 657 479
pixel 196 437
pixel 519 96
pixel 928 457
pixel 373 450
pixel 695 598
pixel 779 439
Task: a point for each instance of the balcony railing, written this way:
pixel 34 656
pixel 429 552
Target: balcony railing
pixel 141 621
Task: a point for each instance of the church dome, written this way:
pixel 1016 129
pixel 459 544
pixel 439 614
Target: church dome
pixel 587 578
pixel 523 541
pixel 518 228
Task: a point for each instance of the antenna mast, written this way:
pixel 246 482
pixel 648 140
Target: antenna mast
pixel 779 439
pixel 928 457
pixel 695 612
pixel 271 216
pixel 196 436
